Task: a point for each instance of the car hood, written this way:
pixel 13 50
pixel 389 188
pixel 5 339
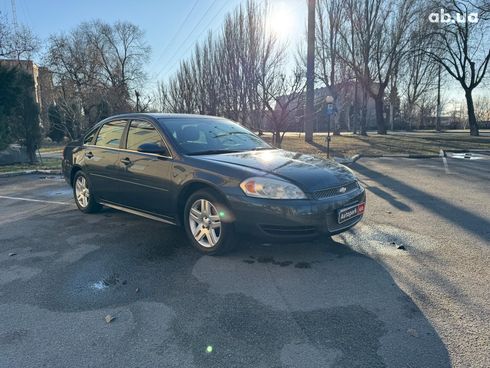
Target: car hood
pixel 309 172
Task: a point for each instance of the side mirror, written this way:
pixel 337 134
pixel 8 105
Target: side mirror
pixel 153 148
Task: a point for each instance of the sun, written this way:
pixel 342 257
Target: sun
pixel 280 20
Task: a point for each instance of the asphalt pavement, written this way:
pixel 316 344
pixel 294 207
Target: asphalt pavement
pixel 408 287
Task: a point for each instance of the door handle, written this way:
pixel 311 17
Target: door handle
pixel 126 161
pixel 89 155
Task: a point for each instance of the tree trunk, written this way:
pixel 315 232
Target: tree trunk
pixel 471 114
pixel 336 124
pixel 348 118
pixel 277 139
pixel 391 117
pixel 363 127
pixel 355 109
pixel 31 151
pixel 32 157
pixel 380 119
pixel 438 111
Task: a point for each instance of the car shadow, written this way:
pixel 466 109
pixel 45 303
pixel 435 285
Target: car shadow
pixel 314 304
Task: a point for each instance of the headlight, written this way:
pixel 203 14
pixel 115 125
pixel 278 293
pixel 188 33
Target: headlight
pixel 261 187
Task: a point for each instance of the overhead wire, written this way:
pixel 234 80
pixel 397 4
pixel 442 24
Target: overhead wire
pixel 169 64
pixel 207 27
pixel 177 32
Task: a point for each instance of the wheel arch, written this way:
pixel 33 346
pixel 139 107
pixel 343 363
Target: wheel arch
pixel 192 187
pixel 73 172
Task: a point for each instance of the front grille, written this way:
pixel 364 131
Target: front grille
pixel 332 192
pixel 288 230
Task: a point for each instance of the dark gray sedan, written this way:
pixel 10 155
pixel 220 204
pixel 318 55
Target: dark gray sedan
pixel 211 176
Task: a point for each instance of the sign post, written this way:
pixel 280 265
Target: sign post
pixel 329 111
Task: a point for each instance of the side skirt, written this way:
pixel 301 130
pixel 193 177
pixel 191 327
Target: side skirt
pixel 138 213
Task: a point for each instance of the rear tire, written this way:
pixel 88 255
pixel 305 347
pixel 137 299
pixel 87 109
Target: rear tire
pixel 208 223
pixel 83 194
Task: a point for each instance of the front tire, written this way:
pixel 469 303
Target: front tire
pixel 208 223
pixel 83 194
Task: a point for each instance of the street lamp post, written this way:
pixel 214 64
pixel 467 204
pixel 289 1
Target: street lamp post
pixel 329 111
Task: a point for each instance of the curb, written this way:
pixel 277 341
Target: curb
pixel 29 172
pixel 409 155
pixel 467 150
pixel 347 161
pixel 356 157
pixel 434 155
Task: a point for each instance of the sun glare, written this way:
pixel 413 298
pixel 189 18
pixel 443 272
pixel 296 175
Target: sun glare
pixel 280 20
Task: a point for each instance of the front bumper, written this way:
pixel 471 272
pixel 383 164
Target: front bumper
pixel 292 220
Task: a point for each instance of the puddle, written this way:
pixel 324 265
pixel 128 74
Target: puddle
pixel 99 285
pixel 271 260
pixel 52 178
pixel 58 192
pixel 265 260
pixel 111 280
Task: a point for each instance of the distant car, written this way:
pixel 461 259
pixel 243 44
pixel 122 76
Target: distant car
pixel 211 176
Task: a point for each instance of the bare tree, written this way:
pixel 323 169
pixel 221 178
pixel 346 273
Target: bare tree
pixel 418 71
pixel 16 42
pixel 374 40
pixel 161 100
pixel 330 71
pixel 226 74
pixel 357 35
pixel 462 46
pixel 97 66
pixel 284 100
pixel 482 108
pixel 122 53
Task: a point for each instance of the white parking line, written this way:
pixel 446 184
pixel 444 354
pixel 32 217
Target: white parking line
pixel 444 161
pixel 32 200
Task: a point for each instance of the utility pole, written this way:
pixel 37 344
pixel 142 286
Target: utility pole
pixel 438 118
pixel 310 73
pixel 356 108
pixel 329 111
pixel 14 14
pixel 393 96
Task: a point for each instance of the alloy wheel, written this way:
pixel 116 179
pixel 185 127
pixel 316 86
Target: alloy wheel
pixel 205 223
pixel 81 191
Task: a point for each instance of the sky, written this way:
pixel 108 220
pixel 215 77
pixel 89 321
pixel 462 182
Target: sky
pixel 171 27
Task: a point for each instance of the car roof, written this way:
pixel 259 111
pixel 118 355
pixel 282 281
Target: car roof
pixel 162 116
pixel 151 115
pixel 154 116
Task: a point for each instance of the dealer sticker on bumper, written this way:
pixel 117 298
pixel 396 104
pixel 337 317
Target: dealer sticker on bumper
pixel 347 213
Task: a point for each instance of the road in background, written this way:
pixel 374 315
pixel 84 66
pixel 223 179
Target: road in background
pixel 356 300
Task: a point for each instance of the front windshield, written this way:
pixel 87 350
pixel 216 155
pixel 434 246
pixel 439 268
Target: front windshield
pixel 211 136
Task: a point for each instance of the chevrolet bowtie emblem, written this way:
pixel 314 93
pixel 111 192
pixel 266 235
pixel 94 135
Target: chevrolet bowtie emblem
pixel 342 190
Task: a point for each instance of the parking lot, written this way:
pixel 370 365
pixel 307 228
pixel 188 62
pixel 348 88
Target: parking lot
pixel 408 287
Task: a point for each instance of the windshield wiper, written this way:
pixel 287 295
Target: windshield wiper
pixel 231 133
pixel 213 152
